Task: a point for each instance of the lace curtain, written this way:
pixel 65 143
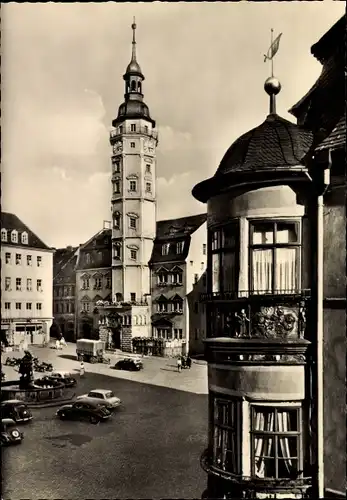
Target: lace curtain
pixel 285 272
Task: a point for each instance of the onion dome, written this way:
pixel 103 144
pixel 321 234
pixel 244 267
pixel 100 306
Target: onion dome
pixel 271 152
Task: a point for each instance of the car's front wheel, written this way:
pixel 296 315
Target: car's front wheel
pixel 94 420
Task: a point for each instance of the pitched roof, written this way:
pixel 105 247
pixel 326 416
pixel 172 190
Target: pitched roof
pixel 330 40
pixel 64 262
pixel 99 249
pixel 12 222
pixel 337 137
pixel 173 231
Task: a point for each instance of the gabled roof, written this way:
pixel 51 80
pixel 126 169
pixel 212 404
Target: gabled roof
pixel 161 298
pixel 172 231
pixel 11 222
pixel 64 263
pixel 99 248
pixel 176 298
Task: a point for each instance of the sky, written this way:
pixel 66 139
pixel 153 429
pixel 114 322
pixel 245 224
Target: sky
pixel 62 68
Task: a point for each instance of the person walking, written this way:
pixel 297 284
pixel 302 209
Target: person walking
pixel 189 362
pixel 179 364
pixel 82 370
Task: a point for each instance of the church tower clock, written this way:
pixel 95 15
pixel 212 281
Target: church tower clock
pixel 133 139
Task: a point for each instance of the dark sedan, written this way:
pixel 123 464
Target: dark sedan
pixel 9 433
pixel 131 364
pixel 81 410
pixel 63 377
pixel 15 410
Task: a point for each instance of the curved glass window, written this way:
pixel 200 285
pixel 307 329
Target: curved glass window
pixel 224 249
pixel 227 435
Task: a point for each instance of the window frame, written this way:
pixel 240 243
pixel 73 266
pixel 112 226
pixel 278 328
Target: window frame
pixel 7 257
pixel 133 254
pixel 273 247
pixel 299 433
pixel 39 261
pixel 220 251
pixel 18 259
pixel 4 235
pixel 165 248
pixel 18 284
pixel 132 186
pixel 132 223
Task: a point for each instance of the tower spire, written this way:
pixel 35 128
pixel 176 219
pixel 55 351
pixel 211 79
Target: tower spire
pixel 133 54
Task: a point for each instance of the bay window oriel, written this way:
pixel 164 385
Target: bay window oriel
pixel 226 435
pixel 274 253
pixel 224 258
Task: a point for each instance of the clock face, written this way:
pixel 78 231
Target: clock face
pixel 117 147
pixel 145 146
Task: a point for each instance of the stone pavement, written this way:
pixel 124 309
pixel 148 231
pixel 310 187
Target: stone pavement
pixel 157 371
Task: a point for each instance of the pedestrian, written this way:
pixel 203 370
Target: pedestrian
pixel 82 371
pixel 189 362
pixel 57 344
pixel 62 342
pixel 179 364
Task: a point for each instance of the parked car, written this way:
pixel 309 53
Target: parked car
pixel 15 410
pixel 9 432
pixel 101 396
pixel 132 364
pixel 84 410
pixel 65 377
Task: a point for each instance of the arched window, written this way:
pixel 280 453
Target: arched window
pixel 24 238
pixel 139 87
pixel 133 85
pixel 14 236
pixel 3 235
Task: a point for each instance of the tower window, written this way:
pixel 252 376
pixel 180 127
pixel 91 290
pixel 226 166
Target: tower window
pixel 146 129
pixel 133 85
pixel 117 221
pixel 117 187
pixel 133 297
pixel 132 185
pixel 148 169
pixel 204 249
pixel 133 254
pixel 148 187
pixel 117 253
pixel 132 222
pixel 132 144
pixel 139 86
pixel 121 129
pixel 133 127
pixel 117 167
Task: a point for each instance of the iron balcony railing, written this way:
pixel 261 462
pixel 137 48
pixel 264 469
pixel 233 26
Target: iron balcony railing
pixel 116 133
pixel 243 295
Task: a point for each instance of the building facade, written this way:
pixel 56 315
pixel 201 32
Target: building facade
pixel 64 292
pixel 26 285
pixel 177 263
pixel 93 282
pixel 262 313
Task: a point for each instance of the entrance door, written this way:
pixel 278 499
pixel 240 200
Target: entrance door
pixel 116 337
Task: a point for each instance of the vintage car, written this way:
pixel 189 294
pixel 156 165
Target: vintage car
pixel 101 396
pixel 9 432
pixel 61 376
pixel 131 364
pixel 16 410
pixel 84 410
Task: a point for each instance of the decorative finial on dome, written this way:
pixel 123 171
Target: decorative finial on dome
pixel 272 86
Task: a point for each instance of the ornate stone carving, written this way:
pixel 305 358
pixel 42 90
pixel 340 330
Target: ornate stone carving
pixel 275 322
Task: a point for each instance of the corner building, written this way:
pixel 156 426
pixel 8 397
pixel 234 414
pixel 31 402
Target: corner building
pixel 262 311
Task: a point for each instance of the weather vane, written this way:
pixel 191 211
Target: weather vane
pixel 272 50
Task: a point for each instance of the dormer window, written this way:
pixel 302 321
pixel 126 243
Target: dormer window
pixel 179 247
pixel 14 236
pixel 165 249
pixel 24 238
pixel 3 235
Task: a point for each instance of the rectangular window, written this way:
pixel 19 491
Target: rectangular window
pixel 133 297
pixel 133 127
pixel 133 254
pixel 97 284
pixel 29 260
pixel 132 186
pixel 29 305
pixel 148 168
pixel 85 284
pixel 7 305
pixel 14 237
pixel 39 306
pixel 108 282
pixel 162 279
pixel 117 221
pixel 117 167
pixel 18 259
pixel 148 187
pixel 276 442
pixel 274 255
pixel 85 306
pixel 18 306
pixel 116 253
pixel 39 285
pixel 7 284
pixel 165 249
pixel 39 261
pixel 132 222
pixel 8 258
pixel 117 187
pixel 146 129
pixel 204 251
pixel 29 284
pixel 224 244
pixel 179 247
pixel 226 419
pixel 132 144
pixel 18 284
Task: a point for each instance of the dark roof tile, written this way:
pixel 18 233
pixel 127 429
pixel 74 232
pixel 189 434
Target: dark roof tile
pixel 10 222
